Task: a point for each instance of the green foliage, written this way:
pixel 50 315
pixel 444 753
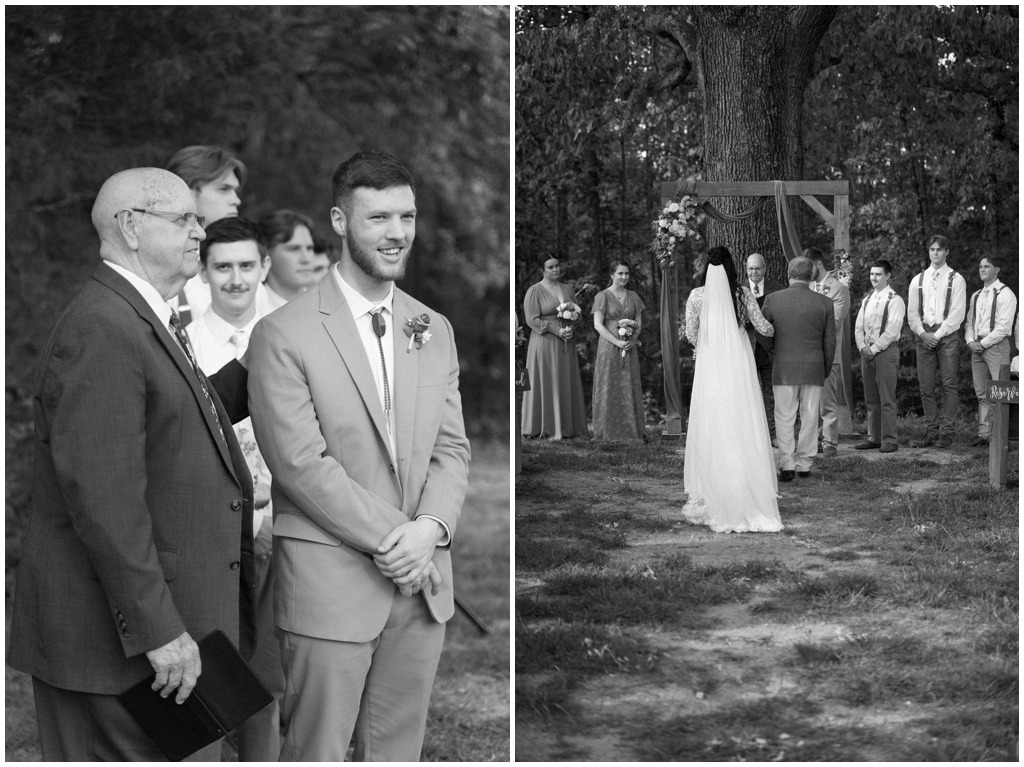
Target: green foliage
pixel 292 90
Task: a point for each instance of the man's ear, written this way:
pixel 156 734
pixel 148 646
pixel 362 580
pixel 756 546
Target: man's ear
pixel 338 221
pixel 129 229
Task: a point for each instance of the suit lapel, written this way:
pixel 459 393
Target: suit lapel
pixel 341 327
pixel 123 288
pixel 406 375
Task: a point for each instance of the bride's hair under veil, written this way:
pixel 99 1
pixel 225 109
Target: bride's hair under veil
pixel 720 256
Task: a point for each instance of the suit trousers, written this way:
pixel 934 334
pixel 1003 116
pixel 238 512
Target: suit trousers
pixel 985 368
pixel 938 368
pixel 377 691
pixel 879 374
pixel 805 398
pixel 259 736
pixel 829 418
pixel 84 727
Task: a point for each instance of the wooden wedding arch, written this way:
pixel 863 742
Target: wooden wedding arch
pixel 809 191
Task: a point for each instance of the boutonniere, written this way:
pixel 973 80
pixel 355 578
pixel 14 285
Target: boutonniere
pixel 417 328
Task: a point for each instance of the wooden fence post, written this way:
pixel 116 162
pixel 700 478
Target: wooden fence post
pixel 1004 396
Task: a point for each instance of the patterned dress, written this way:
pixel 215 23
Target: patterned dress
pixel 554 405
pixel 618 399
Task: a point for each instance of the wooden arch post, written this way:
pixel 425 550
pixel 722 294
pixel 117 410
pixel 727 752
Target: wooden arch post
pixel 808 191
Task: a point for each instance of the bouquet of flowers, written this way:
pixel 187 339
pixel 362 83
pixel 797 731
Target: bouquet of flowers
pixel 567 313
pixel 626 329
pixel 671 227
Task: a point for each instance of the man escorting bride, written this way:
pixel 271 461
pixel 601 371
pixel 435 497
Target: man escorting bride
pixel 728 469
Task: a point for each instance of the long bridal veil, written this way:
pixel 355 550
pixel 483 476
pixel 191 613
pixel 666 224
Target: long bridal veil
pixel 728 470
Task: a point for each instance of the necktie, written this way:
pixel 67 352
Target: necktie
pixel 380 327
pixel 757 289
pixel 240 340
pixel 978 324
pixel 179 333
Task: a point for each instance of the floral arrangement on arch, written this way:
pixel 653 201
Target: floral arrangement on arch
pixel 671 228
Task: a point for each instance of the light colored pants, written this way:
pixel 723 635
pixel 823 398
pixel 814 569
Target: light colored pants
pixel 879 374
pixel 375 693
pixel 985 368
pixel 829 409
pixel 806 399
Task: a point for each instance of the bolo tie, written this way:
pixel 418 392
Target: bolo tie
pixel 380 327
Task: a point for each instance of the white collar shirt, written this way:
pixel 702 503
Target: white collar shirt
pixel 150 294
pixel 868 329
pixel 934 284
pixel 757 288
pixel 980 326
pixel 211 337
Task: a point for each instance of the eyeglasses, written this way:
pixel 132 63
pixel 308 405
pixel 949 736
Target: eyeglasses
pixel 187 219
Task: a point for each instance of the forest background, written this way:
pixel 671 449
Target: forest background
pixel 292 91
pixel 916 106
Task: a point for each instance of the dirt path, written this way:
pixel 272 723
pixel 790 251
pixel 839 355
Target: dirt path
pixel 746 656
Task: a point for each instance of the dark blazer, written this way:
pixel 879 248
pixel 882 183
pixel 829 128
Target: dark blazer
pixel 805 335
pixel 141 520
pixel 762 344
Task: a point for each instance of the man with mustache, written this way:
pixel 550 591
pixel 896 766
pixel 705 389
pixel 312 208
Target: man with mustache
pixel 361 425
pixel 233 264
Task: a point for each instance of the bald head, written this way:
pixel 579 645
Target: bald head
pixel 155 245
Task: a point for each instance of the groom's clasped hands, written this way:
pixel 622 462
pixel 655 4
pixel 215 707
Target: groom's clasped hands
pixel 405 556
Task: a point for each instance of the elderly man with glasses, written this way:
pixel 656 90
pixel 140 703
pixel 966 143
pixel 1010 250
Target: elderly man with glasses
pixel 140 535
pixel 763 355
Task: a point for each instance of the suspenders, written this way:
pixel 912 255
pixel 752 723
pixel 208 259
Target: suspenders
pixel 920 295
pixel 885 313
pixel 974 308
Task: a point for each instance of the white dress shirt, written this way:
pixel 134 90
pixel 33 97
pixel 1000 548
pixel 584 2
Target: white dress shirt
pixel 211 338
pixel 149 293
pixel 757 288
pixel 269 300
pixel 869 331
pixel 979 315
pixel 361 308
pixel 935 283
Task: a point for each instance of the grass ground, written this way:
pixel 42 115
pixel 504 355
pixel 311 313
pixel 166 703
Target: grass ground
pixel 469 707
pixel 881 624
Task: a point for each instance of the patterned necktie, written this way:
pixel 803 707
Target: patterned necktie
pixel 380 327
pixel 757 289
pixel 179 333
pixel 240 340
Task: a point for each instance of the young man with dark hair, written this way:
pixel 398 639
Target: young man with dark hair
pixel 936 305
pixel 826 283
pixel 233 264
pixel 989 323
pixel 288 237
pixel 354 394
pixel 879 323
pixel 214 176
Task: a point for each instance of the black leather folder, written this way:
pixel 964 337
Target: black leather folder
pixel 227 693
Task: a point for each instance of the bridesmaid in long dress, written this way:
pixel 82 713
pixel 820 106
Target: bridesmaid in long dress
pixel 618 399
pixel 554 406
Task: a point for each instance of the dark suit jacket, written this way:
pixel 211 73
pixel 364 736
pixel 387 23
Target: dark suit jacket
pixel 805 335
pixel 762 344
pixel 141 521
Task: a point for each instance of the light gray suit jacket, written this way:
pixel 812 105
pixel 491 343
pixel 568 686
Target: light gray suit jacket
pixel 337 490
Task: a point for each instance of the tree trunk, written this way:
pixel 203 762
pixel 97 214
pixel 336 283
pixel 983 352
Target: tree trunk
pixel 753 64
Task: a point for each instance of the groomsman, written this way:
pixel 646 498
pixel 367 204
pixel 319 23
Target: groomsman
pixel 763 354
pixel 878 333
pixel 936 305
pixel 989 319
pixel 827 284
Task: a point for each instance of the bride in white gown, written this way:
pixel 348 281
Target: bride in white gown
pixel 729 470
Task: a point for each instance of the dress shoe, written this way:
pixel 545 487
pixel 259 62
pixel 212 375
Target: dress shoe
pixel 943 442
pixel 829 452
pixel 867 445
pixel 980 442
pixel 803 474
pixel 786 475
pixel 889 447
pixel 926 442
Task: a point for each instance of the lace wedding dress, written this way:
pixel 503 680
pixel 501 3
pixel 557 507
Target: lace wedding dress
pixel 729 469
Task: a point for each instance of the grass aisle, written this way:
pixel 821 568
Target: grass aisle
pixel 881 624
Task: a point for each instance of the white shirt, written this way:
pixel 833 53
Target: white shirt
pixel 269 300
pixel 935 283
pixel 361 308
pixel 979 315
pixel 869 331
pixel 210 336
pixel 757 288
